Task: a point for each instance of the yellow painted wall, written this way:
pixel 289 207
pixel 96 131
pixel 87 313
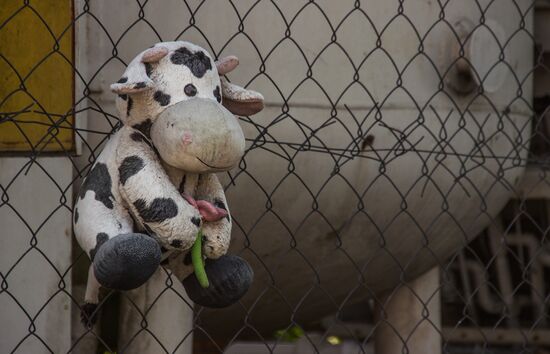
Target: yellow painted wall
pixel 28 57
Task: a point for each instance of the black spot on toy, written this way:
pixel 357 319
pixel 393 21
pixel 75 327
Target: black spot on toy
pixel 135 136
pixel 159 210
pixel 144 127
pixel 229 277
pixel 99 182
pixel 139 85
pixel 217 94
pixel 75 215
pixel 129 107
pixel 162 98
pixel 197 62
pixel 220 204
pixel 196 221
pixel 190 90
pixel 129 167
pixel 122 80
pixel 176 243
pixel 100 239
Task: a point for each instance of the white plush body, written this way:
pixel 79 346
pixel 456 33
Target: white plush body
pixel 132 188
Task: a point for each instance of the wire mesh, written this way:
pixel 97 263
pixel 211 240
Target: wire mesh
pixel 394 134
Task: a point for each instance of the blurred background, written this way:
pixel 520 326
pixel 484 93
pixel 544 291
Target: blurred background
pixel 393 197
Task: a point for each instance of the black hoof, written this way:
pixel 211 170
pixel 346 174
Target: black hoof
pixel 229 277
pixel 126 261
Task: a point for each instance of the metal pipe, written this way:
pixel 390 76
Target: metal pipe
pixel 410 317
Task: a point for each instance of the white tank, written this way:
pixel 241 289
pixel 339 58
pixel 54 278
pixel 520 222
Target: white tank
pixel 330 208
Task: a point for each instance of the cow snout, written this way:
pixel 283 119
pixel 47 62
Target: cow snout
pixel 198 135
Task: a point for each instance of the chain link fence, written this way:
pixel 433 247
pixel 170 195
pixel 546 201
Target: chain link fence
pixel 398 137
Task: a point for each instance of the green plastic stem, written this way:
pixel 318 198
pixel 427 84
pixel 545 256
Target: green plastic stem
pixel 198 264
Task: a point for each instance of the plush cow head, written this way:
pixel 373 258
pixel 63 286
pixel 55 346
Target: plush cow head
pixel 173 93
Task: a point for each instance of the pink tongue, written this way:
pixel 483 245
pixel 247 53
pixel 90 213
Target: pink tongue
pixel 208 211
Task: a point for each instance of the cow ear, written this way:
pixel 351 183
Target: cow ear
pixel 135 77
pixel 240 101
pixel 227 64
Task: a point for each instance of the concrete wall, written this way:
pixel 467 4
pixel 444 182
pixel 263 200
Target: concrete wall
pixel 35 261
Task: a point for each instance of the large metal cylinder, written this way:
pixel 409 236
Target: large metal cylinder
pixel 331 208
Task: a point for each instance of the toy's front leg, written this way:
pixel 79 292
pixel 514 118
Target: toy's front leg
pixel 229 276
pixel 216 234
pixel 153 199
pixel 122 259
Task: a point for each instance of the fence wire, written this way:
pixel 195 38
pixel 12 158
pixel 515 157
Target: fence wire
pixel 397 136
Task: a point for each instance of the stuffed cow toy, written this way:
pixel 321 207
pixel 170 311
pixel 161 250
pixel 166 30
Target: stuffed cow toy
pixel 153 187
